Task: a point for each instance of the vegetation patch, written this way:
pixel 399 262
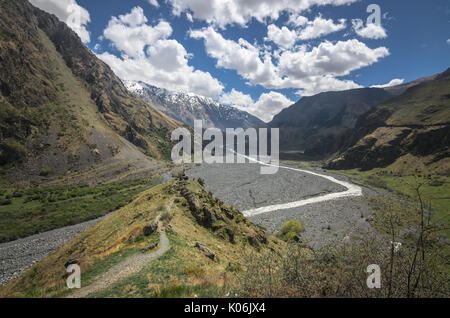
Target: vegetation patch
pixel 28 211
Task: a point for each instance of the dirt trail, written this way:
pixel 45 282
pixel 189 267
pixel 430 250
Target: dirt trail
pixel 128 267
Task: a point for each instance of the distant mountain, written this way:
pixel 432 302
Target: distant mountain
pixel 412 129
pixel 312 123
pixel 188 107
pixel 316 124
pixel 60 106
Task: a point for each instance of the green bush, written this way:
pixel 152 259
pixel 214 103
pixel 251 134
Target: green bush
pixel 45 172
pixel 195 271
pixel 289 230
pixel 11 152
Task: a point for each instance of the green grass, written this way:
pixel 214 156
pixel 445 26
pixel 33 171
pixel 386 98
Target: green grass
pixel 24 212
pixel 167 271
pixel 435 189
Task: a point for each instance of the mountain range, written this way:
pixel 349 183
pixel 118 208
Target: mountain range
pixel 189 107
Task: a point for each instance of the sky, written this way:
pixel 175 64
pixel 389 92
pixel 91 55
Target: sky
pixel 263 55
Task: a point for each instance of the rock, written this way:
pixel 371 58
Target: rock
pixel 71 261
pixel 150 228
pixel 150 247
pixel 208 253
pixel 134 235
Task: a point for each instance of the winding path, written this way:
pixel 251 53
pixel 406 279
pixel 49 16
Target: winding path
pixel 131 265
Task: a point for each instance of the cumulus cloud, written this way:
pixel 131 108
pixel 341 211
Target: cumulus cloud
pixel 448 41
pixel 68 11
pixel 283 37
pixel 153 3
pixel 310 70
pixel 225 12
pixel 241 56
pixel 267 106
pixel 370 31
pixel 320 27
pixel 394 82
pixel 148 54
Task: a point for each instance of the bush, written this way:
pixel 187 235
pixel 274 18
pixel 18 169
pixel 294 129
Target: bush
pixel 194 271
pixel 166 216
pixel 45 172
pixel 5 202
pixel 11 152
pixel 201 182
pixel 290 229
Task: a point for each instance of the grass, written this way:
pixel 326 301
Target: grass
pixel 24 212
pixel 183 271
pixel 435 189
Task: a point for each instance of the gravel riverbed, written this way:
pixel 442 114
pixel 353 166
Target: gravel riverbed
pixel 17 256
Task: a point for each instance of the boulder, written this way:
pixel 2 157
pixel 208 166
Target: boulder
pixel 208 253
pixel 150 247
pixel 150 228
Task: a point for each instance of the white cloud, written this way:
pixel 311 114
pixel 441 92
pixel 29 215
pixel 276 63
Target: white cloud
pixel 318 84
pixel 370 31
pixel 337 59
pixel 394 82
pixel 267 106
pixel 225 12
pixel 154 3
pixel 68 11
pixel 448 41
pixel 240 56
pixel 320 27
pixel 148 55
pixel 282 37
pixel 310 70
pixel 130 34
pixel 297 20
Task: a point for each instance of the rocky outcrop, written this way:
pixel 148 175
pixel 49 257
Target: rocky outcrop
pixel 208 253
pixel 224 221
pixel 150 228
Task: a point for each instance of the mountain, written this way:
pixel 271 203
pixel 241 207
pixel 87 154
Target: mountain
pixel 189 107
pixel 60 106
pixel 412 129
pixel 316 124
pixel 315 121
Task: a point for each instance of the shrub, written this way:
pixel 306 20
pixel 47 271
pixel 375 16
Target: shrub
pixel 11 152
pixel 290 229
pixel 194 271
pixel 5 202
pixel 45 172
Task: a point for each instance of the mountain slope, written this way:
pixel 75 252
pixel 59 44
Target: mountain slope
pixel 318 119
pixel 60 105
pixel 195 216
pixel 413 127
pixel 187 107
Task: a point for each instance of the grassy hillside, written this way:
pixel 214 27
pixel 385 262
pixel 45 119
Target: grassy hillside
pixel 61 107
pixel 411 131
pixel 196 216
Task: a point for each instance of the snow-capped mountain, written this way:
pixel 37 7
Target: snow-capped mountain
pixel 189 107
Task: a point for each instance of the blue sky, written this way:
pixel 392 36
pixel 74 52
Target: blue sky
pixel 261 56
